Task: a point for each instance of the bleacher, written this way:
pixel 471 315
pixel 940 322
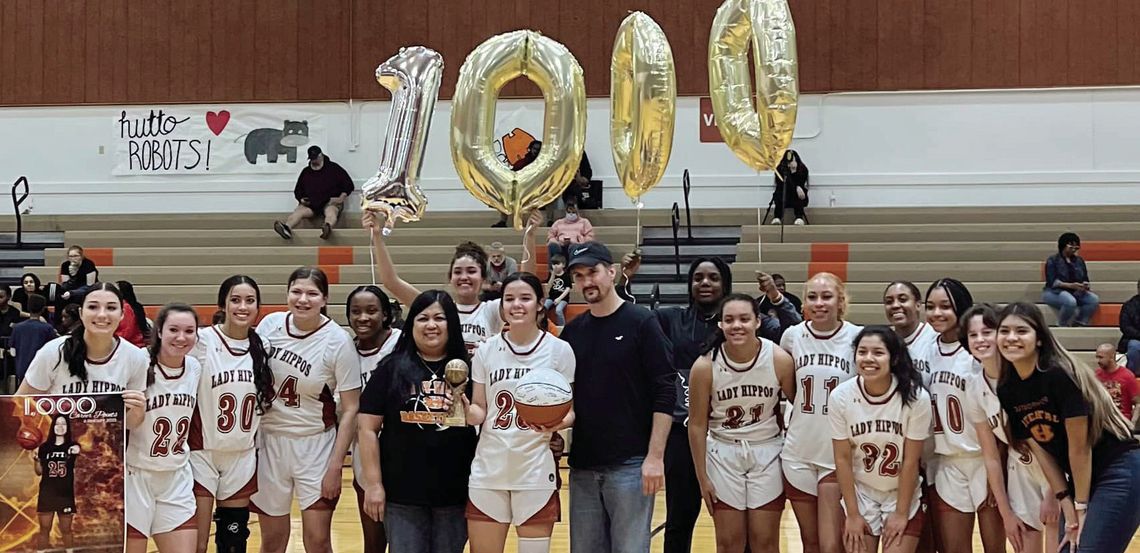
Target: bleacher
pixel 997 252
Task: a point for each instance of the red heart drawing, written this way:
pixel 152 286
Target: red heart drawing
pixel 217 121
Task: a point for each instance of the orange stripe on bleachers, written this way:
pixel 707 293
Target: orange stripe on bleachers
pixel 103 257
pixel 1110 250
pixel 1108 314
pixel 331 271
pixel 334 255
pixel 829 257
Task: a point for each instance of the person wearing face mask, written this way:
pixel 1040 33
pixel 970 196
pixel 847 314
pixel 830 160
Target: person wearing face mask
pixel 791 188
pixel 571 229
pixel 499 267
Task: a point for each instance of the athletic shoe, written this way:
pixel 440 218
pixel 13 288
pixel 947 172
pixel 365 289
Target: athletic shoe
pixel 283 230
pixel 799 222
pixel 326 231
pixel 776 221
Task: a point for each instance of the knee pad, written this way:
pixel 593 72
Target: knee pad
pixel 534 545
pixel 233 529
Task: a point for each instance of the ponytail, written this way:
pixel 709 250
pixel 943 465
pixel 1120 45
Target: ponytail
pixel 262 373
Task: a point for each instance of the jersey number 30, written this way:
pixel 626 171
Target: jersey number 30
pixel 228 412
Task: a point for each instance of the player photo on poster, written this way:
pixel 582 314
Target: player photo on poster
pixel 61 473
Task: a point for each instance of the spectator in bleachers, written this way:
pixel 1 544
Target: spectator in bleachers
pixel 76 276
pixel 1130 331
pixel 791 188
pixel 68 319
pixel 322 188
pixel 1067 288
pixel 558 289
pixel 134 326
pixel 31 335
pixel 499 266
pixel 29 284
pixel 9 315
pixel 1120 383
pixel 569 230
pixel 766 306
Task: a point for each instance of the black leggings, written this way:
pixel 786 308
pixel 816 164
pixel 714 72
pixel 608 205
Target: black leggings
pixel 682 492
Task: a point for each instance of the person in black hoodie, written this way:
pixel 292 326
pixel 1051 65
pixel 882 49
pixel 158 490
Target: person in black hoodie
pixel 791 187
pixel 689 328
pixel 322 187
pixel 1130 331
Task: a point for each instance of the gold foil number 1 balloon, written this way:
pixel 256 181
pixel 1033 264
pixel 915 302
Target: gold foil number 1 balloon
pixel 643 104
pixel 491 65
pixel 758 136
pixel 413 77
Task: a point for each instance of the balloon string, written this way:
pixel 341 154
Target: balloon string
pixel 637 240
pixel 526 238
pixel 372 255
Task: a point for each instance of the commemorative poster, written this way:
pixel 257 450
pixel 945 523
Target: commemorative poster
pixel 61 473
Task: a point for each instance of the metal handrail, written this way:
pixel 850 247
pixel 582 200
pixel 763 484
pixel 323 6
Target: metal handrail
pixel 16 202
pixel 686 187
pixel 676 217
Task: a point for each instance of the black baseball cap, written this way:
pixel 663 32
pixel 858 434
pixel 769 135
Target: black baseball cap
pixel 589 254
pixel 314 152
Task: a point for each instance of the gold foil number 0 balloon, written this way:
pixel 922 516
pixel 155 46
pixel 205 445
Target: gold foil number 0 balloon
pixel 643 104
pixel 413 77
pixel 491 65
pixel 758 136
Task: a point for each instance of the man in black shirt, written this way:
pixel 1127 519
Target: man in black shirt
pixel 322 187
pixel 623 395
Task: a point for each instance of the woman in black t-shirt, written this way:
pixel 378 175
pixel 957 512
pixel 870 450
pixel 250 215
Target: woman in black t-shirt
pixel 76 276
pixel 1084 444
pixel 55 465
pixel 415 474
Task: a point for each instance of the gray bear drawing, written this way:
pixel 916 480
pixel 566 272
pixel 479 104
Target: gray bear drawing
pixel 274 142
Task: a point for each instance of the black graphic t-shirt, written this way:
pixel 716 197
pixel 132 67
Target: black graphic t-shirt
pixel 1037 408
pixel 421 464
pixel 559 284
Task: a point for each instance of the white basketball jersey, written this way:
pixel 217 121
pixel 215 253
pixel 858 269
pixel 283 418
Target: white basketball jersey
pixel 951 368
pixel 744 397
pixel 160 442
pixel 877 427
pixel 479 322
pixel 124 370
pixel 226 418
pixel 983 405
pixel 823 361
pixel 370 358
pixel 918 345
pixel 307 368
pixel 510 455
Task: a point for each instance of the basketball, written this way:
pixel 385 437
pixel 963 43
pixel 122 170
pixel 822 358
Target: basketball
pixel 542 397
pixel 29 437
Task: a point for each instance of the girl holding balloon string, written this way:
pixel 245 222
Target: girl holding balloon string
pixel 514 475
pixel 468 269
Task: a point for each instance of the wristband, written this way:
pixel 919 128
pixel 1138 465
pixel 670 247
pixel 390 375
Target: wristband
pixel 1061 495
pixel 1080 506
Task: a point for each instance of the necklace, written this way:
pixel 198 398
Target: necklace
pixel 424 363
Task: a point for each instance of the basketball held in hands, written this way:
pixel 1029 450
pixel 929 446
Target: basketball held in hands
pixel 29 437
pixel 543 397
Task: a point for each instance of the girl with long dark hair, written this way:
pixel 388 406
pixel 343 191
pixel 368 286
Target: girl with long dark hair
pixel 303 442
pixel 91 359
pixel 956 470
pixel 791 178
pixel 55 465
pixel 1028 510
pixel 1058 408
pixel 479 320
pixel 415 472
pixel 514 474
pixel 235 391
pixel 369 313
pixel 734 428
pixel 29 284
pixel 158 494
pixel 879 422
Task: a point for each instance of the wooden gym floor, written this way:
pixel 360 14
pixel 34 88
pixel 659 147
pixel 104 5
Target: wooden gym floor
pixel 347 537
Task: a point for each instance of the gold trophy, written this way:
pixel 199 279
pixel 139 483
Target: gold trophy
pixel 455 374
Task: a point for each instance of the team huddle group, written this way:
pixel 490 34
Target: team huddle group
pixel 889 433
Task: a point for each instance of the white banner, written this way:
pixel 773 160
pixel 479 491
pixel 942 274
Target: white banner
pixel 193 140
